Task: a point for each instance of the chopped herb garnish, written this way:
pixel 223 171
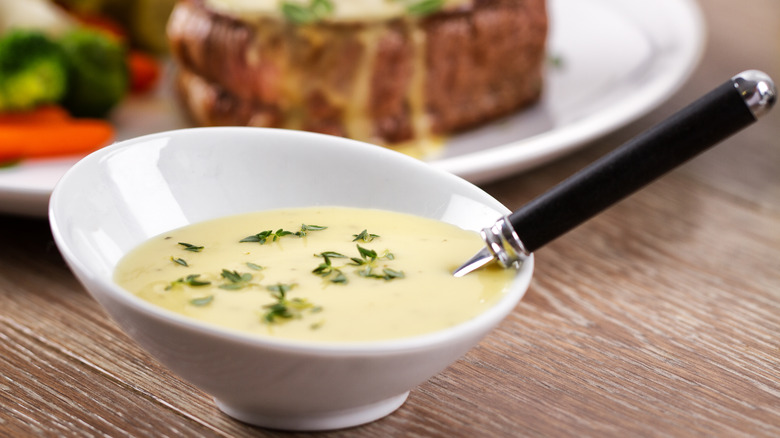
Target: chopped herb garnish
pixel 556 61
pixel 235 280
pixel 179 261
pixel 364 236
pixel 368 272
pixel 190 280
pixel 254 266
pixel 367 253
pixel 387 273
pixel 326 268
pixel 284 308
pixel 280 288
pixel 392 273
pixel 276 311
pixel 307 13
pixel 368 258
pixel 263 236
pixel 331 254
pixel 339 278
pixel 424 7
pixel 305 228
pixel 200 302
pixel 191 247
pixel 357 261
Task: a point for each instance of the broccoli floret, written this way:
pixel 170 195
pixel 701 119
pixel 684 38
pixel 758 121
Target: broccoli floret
pixel 98 76
pixel 33 70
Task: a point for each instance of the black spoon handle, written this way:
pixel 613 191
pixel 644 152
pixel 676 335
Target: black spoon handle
pixel 714 117
pixel 720 113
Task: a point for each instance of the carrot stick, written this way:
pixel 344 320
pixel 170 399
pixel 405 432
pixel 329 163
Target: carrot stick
pixel 39 115
pixel 77 136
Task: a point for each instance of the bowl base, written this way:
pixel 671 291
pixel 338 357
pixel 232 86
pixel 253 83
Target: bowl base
pixel 320 421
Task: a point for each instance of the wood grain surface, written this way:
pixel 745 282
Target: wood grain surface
pixel 660 317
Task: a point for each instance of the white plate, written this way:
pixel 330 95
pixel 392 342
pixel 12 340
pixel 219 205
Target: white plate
pixel 619 59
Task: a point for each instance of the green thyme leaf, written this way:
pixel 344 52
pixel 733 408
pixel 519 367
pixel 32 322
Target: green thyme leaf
pixel 326 269
pixel 367 260
pixel 391 274
pixel 235 280
pixel 296 13
pixel 387 273
pixel 306 228
pixel 281 233
pixel 200 302
pixel 191 247
pixel 339 278
pixel 321 8
pixel 424 7
pixel 364 236
pixel 280 289
pixel 263 236
pixel 356 261
pixel 284 308
pixel 235 276
pixel 299 304
pixel 259 238
pixel 368 254
pixel 190 280
pixel 299 13
pixel 179 261
pixel 556 61
pixel 276 311
pixel 367 272
pixel 254 266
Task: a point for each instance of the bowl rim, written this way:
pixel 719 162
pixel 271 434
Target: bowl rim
pixel 482 322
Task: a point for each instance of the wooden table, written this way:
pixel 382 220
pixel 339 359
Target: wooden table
pixel 659 317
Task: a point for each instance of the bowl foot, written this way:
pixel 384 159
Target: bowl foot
pixel 328 420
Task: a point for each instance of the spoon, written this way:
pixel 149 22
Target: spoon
pixel 735 104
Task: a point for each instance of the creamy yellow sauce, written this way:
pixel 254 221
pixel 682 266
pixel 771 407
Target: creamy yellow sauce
pixel 343 10
pixel 410 290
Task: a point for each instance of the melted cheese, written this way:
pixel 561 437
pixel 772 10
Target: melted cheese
pixel 416 92
pixel 426 299
pixel 343 10
pixel 290 77
pixel 357 120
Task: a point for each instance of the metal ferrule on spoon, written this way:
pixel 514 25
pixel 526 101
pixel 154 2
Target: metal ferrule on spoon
pixel 715 116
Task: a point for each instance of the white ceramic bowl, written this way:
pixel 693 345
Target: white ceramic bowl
pixel 120 196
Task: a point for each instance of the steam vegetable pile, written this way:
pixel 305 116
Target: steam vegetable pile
pixel 60 78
